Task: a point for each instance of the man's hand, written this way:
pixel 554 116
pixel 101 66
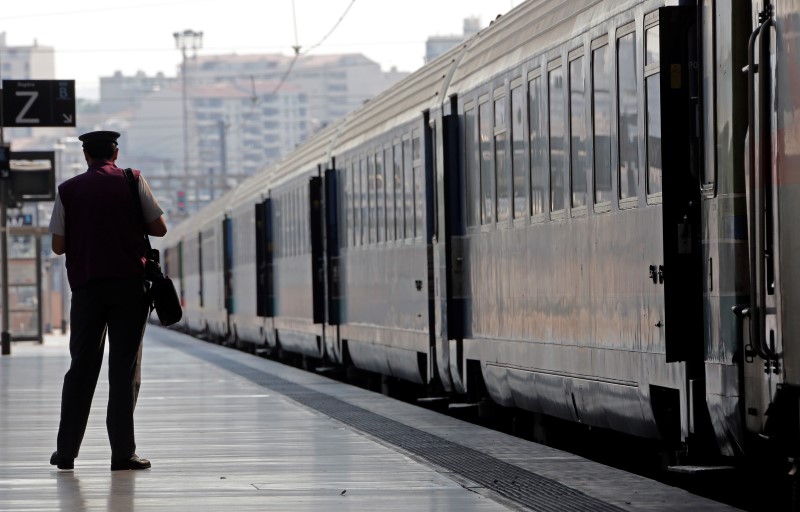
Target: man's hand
pixel 59 244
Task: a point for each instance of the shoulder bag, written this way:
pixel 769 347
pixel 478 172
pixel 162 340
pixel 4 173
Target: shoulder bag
pixel 162 295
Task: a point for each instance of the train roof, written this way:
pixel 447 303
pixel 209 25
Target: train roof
pixel 532 28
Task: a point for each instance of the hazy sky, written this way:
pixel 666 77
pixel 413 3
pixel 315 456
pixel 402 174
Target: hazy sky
pixel 94 38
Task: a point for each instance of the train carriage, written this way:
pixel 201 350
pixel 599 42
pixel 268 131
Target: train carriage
pixel 564 291
pixel 385 182
pixel 586 211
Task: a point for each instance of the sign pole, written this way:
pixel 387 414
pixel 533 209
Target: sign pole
pixel 5 336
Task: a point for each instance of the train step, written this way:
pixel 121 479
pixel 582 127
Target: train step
pixel 696 470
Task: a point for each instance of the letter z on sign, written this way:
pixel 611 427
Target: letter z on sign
pixel 38 103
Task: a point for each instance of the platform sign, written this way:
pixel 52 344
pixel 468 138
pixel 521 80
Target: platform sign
pixel 35 103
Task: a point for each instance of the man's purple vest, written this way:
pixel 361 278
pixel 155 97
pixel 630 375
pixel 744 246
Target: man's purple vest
pixel 104 231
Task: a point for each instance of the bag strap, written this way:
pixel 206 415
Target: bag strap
pixel 129 176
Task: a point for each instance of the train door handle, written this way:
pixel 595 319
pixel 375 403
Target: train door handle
pixel 657 274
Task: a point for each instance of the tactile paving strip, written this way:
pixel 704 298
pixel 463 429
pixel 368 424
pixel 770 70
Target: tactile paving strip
pixel 516 484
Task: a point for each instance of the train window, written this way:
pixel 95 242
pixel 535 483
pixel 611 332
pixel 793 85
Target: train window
pixel 503 203
pixel 298 226
pixel 398 190
pixel 485 138
pixel 557 132
pixel 419 182
pixel 295 224
pixel 365 217
pixel 628 130
pixel 372 198
pixel 408 188
pixel 601 119
pixel 653 91
pixel 351 206
pixel 356 203
pixel 536 127
pixel 388 186
pixel 280 221
pixel 287 218
pixel 471 200
pixel 518 171
pixel 652 48
pixel 290 246
pixel 380 193
pixel 577 128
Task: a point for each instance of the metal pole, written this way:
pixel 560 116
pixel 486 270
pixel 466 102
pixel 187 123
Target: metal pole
pixel 39 294
pixel 185 117
pixel 183 40
pixel 5 336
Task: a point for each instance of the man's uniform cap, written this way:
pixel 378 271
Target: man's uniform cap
pixel 99 137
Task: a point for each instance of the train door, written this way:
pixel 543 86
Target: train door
pixel 331 250
pixel 447 256
pixel 784 141
pixel 264 282
pixel 671 87
pixel 200 268
pixel 227 266
pixel 436 254
pixel 317 257
pixel 772 354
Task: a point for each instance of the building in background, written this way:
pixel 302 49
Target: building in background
pixel 120 92
pixel 243 112
pixel 334 84
pixel 34 62
pixel 26 62
pixel 437 45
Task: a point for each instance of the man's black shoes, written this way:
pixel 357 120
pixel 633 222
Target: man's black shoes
pixel 61 463
pixel 132 463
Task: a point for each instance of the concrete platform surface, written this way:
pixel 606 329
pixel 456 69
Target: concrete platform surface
pixel 229 431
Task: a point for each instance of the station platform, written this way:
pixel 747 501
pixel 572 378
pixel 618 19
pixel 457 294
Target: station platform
pixel 226 430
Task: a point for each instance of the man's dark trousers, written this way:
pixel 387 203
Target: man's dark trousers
pixel 119 306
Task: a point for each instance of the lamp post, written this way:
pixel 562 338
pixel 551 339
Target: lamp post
pixel 188 39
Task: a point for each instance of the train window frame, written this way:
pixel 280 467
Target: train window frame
pixel 579 210
pixel 399 188
pixel 486 222
pixel 537 77
pixel 631 201
pixel 347 201
pixel 357 200
pixel 519 155
pixel 652 71
pixel 380 194
pixel 372 197
pixel 388 192
pixel 417 158
pixel 408 188
pixel 604 205
pixel 365 217
pixel 556 213
pixel 472 215
pixel 500 131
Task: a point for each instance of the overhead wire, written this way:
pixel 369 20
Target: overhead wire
pixel 297 47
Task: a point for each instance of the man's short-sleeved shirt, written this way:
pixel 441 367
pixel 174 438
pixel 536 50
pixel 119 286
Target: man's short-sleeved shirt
pixel 150 209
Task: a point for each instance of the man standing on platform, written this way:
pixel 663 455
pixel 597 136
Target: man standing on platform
pixel 96 224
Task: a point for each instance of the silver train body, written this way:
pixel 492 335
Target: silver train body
pixel 591 208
